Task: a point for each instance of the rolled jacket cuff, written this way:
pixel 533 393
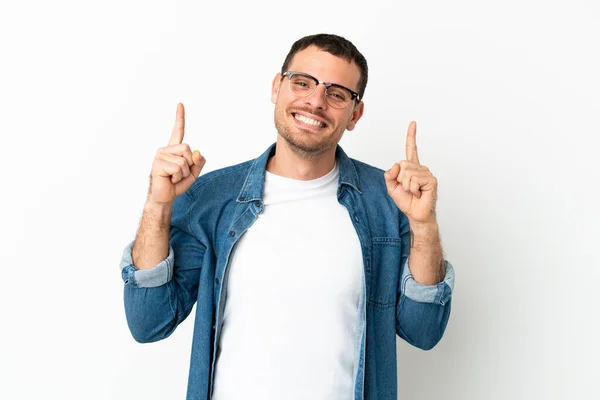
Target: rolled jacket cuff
pixel 146 278
pixel 439 293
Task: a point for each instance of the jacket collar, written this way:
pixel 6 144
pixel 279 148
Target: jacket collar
pixel 253 187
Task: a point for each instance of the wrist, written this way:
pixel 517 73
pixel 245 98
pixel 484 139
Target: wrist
pixel 420 228
pixel 159 211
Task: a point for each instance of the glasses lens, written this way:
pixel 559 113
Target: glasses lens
pixel 338 97
pixel 302 86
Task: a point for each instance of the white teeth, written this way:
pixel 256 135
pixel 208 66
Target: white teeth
pixel 307 120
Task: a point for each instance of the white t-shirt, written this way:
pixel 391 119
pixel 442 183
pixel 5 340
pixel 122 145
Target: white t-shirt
pixel 291 312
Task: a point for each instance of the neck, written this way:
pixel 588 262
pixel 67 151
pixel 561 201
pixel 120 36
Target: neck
pixel 292 164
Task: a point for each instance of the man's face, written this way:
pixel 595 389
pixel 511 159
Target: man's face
pixel 309 125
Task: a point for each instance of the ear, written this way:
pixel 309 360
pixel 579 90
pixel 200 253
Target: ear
pixel 275 88
pixel 356 114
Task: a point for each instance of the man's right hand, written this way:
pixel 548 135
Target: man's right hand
pixel 175 167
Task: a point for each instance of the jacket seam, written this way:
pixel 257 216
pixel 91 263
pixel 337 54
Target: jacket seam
pixel 253 163
pixel 386 241
pixel 381 305
pixel 171 300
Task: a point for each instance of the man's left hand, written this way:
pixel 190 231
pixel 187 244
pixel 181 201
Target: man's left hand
pixel 411 185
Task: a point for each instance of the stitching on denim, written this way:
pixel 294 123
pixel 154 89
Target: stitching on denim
pixel 248 208
pixel 381 305
pixel 254 162
pixel 386 241
pixel 356 176
pixel 365 168
pixel 189 218
pixel 171 294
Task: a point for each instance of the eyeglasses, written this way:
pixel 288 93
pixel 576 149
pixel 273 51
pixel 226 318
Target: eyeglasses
pixel 303 85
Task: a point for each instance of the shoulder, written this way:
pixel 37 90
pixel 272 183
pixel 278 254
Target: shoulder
pixel 365 168
pixel 385 220
pixel 231 175
pixel 211 197
pixel 215 188
pixel 374 191
pixel 369 176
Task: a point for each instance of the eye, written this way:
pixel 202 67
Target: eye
pixel 337 94
pixel 301 82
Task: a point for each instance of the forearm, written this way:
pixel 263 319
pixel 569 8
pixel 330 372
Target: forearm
pixel 151 244
pixel 426 261
pixel 422 324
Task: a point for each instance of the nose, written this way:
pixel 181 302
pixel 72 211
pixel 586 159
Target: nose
pixel 317 98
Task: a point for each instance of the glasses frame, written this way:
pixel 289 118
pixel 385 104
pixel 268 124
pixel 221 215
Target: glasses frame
pixel 290 74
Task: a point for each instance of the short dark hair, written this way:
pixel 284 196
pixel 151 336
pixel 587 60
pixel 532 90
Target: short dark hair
pixel 334 45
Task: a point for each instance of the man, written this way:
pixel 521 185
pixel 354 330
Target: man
pixel 304 264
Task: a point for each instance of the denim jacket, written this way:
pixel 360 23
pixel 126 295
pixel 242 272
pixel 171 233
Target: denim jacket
pixel 214 213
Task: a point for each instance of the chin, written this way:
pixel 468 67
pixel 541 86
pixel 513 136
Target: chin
pixel 307 148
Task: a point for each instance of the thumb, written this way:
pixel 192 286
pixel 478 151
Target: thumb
pixel 390 177
pixel 199 162
pixel 392 173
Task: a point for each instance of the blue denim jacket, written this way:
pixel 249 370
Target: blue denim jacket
pixel 214 213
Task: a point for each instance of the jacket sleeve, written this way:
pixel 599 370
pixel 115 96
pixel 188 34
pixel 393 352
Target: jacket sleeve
pixel 422 311
pixel 157 300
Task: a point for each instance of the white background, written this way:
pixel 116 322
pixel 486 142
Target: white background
pixel 506 96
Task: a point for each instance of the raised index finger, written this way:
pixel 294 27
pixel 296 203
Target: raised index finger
pixel 411 143
pixel 179 127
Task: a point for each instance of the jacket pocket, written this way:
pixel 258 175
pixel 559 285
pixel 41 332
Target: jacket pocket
pixel 385 272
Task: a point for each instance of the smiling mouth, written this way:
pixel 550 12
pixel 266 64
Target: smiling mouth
pixel 309 121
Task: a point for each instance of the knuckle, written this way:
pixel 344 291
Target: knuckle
pixel 158 161
pixel 181 162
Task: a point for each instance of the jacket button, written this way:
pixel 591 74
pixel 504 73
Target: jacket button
pixel 217 281
pixel 231 233
pixel 257 203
